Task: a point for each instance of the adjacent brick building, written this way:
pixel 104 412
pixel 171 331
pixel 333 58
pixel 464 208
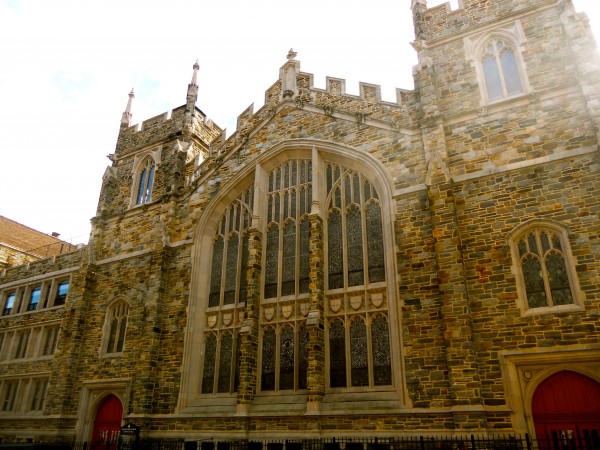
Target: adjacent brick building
pixel 340 265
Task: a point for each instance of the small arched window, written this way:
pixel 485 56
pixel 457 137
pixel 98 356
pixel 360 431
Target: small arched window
pixel 545 272
pixel 115 327
pixel 498 62
pixel 500 70
pixel 145 182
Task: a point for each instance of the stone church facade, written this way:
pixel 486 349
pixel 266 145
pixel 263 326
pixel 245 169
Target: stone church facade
pixel 340 265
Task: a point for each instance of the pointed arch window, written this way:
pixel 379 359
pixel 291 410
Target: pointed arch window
pixel 115 327
pixel 227 297
pixel 145 182
pixel 501 70
pixel 546 279
pixel 354 280
pixel 498 61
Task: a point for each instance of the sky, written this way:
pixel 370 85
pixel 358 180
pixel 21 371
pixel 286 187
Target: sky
pixel 66 68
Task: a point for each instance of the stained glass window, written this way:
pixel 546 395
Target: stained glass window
pixel 358 353
pixel 337 355
pixel 225 360
pixel 286 359
pixel 210 358
pixel 357 330
pixel 355 246
pixel 544 272
pixel 269 350
pixel 382 360
pixel 228 284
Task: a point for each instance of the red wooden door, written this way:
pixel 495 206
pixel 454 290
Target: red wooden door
pixel 107 424
pixel 566 412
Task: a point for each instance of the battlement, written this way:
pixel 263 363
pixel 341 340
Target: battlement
pixel 160 127
pixel 442 21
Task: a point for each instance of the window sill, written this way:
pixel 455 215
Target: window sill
pixel 545 310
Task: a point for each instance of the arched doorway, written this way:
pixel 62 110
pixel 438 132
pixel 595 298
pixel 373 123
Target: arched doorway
pixel 566 412
pixel 107 424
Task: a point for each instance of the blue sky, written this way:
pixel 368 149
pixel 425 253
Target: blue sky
pixel 66 68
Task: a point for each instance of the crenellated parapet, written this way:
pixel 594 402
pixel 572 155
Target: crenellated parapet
pixel 296 90
pixel 168 125
pixel 442 21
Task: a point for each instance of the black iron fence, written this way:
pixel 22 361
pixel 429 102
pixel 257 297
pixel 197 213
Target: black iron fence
pixel 590 441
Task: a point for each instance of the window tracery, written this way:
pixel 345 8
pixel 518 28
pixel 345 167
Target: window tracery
pixel 357 336
pixel 116 327
pixel 545 273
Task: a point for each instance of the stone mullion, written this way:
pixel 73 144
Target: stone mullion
pixel 250 331
pixel 463 370
pixel 315 323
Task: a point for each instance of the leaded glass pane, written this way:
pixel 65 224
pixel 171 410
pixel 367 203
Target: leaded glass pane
pixel 121 338
pixel 215 275
pixel 522 247
pixel 356 188
pixel 268 360
pixel 382 360
pixel 337 197
pixel 231 269
pixel 303 195
pixel 532 241
pixel 210 357
pixel 286 175
pixel 304 263
pixel 545 241
pixel 286 205
pixel 367 188
pixel 288 264
pixel 558 279
pixel 238 345
pixel 140 196
pixel 355 248
pixel 556 242
pixel 293 203
pixel 492 77
pixel 347 189
pixel 277 212
pixel 337 355
pixel 286 359
pixel 270 209
pixel 302 356
pixel 359 353
pixel 335 250
pixel 238 211
pixel 534 282
pixel 375 243
pixel 329 177
pixel 277 179
pixel 226 354
pixel 294 173
pixel 512 80
pixel 271 262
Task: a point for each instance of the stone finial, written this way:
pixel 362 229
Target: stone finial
pixel 422 3
pixel 195 76
pixel 126 117
pixel 291 56
pixel 192 92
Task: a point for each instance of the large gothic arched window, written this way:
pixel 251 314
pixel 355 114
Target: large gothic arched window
pixel 333 253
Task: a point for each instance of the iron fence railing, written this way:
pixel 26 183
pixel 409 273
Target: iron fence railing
pixel 589 441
